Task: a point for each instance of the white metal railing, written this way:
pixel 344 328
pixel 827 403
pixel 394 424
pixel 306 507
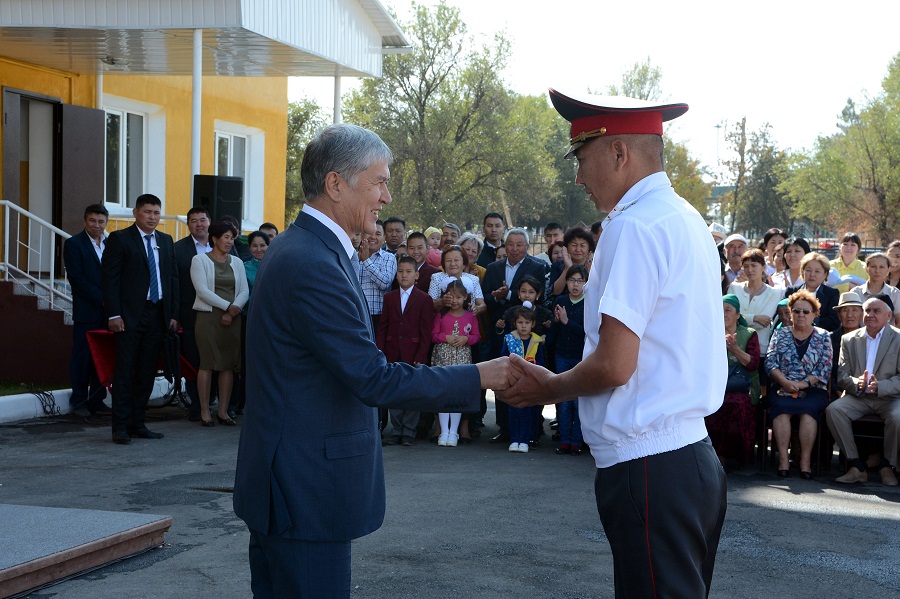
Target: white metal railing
pixel 31 246
pixel 29 255
pixel 176 226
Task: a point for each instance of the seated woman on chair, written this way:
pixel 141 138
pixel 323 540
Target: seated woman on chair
pixel 799 363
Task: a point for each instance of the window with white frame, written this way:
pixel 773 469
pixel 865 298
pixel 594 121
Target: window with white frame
pixel 125 151
pixel 240 152
pixel 231 155
pixel 135 152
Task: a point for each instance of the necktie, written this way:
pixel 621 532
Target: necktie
pixel 151 259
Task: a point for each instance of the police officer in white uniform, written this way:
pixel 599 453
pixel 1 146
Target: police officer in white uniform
pixel 654 359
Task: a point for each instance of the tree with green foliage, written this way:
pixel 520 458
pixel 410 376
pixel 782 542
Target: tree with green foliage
pixel 737 167
pixel 642 81
pixel 304 119
pixel 756 203
pixel 463 143
pixel 851 180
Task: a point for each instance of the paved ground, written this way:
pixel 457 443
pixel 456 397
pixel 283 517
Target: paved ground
pixel 471 521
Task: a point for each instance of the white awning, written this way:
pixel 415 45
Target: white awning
pixel 240 37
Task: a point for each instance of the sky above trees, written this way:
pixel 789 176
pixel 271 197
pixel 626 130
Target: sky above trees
pixel 790 64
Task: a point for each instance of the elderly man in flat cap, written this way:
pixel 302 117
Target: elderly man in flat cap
pixel 655 361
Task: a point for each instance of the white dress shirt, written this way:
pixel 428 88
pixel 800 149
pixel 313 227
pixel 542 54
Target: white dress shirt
pixel 98 247
pixel 657 272
pixel 201 248
pixel 404 297
pixel 872 344
pixel 510 275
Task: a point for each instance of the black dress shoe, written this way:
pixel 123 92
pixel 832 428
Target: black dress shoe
pixel 501 437
pixel 145 433
pixel 784 473
pixel 226 421
pixel 121 437
pixel 806 475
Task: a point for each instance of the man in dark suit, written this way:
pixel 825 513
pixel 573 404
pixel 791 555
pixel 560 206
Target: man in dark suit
pixel 309 470
pixel 82 254
pixel 500 288
pixel 140 294
pixel 185 250
pixel 493 229
pixel 404 335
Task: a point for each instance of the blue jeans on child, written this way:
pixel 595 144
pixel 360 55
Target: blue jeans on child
pixel 567 411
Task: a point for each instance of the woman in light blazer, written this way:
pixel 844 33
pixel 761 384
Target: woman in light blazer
pixel 222 292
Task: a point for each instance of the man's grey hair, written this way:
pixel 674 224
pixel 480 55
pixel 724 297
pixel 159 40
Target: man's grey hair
pixel 470 237
pixel 518 231
pixel 452 226
pixel 345 149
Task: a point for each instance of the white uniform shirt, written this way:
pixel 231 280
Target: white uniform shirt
pixel 656 269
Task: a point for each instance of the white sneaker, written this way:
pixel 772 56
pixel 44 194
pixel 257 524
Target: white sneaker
pixel 514 447
pixel 452 440
pixel 442 440
pixel 523 447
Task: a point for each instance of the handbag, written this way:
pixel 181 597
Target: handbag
pixel 738 380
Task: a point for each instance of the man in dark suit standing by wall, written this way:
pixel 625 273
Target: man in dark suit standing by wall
pixel 309 474
pixel 82 254
pixel 185 250
pixel 140 294
pixel 500 288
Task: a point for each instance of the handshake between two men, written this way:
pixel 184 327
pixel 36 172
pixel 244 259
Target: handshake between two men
pixel 517 382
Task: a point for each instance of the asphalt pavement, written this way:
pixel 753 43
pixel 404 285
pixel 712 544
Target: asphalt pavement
pixel 469 521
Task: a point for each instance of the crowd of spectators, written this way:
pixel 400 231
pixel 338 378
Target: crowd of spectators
pixel 789 315
pixel 446 296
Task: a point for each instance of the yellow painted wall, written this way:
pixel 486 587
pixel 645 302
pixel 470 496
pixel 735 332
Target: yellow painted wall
pixel 259 102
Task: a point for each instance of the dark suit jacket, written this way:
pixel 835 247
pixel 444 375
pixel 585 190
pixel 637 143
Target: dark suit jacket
pixel 887 362
pixel 487 256
pixel 126 275
pixel 495 275
pixel 829 298
pixel 184 253
pixel 309 464
pixel 406 336
pixel 85 276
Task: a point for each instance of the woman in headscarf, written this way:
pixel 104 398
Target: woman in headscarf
pixel 732 427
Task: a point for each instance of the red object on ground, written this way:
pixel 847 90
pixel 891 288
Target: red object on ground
pixel 103 351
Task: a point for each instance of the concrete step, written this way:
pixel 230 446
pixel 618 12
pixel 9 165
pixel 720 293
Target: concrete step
pixel 46 545
pixel 26 288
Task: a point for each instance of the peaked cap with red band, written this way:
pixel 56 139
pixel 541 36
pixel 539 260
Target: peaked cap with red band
pixel 595 116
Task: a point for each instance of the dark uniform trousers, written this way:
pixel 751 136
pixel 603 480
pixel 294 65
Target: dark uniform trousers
pixel 663 516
